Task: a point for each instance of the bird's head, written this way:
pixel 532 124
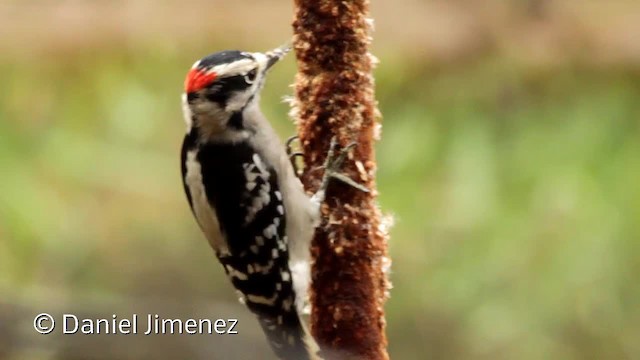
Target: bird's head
pixel 223 85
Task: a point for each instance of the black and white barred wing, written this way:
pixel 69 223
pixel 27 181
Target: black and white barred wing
pixel 242 193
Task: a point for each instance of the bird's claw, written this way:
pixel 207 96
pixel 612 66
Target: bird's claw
pixel 332 166
pixel 293 155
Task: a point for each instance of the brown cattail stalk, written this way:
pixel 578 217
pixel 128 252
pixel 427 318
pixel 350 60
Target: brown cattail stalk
pixel 335 98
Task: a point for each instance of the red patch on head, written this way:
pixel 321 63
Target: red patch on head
pixel 198 79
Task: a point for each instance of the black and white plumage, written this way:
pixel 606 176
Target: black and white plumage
pixel 245 196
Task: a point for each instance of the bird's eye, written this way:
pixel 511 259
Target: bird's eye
pixel 251 76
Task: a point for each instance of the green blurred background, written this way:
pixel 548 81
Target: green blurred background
pixel 510 160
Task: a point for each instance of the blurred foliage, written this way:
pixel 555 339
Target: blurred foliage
pixel 514 190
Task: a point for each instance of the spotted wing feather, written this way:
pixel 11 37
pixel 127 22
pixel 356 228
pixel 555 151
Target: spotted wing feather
pixel 244 193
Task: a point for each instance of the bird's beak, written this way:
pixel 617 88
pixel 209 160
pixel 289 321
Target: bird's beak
pixel 276 55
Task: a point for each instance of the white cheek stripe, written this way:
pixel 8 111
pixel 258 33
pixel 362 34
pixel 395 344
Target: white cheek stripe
pixel 240 67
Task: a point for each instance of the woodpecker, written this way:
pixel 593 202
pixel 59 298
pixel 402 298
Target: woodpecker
pixel 246 197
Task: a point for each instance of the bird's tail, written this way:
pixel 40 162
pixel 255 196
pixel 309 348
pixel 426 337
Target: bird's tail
pixel 288 335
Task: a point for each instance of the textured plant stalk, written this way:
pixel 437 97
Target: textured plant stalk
pixel 334 96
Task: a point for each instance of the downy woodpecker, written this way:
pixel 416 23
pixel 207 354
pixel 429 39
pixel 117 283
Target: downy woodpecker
pixel 246 197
